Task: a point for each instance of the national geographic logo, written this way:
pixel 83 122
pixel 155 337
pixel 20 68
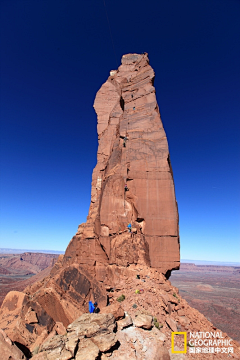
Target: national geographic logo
pixel 202 342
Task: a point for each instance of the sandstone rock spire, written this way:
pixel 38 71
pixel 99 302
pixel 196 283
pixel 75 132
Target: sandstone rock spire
pixel 100 255
pixel 126 107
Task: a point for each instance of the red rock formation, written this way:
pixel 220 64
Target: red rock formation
pixel 133 151
pixel 127 108
pixel 9 351
pixel 103 257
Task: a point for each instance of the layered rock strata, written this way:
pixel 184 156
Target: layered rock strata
pixel 132 154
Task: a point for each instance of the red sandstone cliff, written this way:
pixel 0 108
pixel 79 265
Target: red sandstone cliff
pixel 126 106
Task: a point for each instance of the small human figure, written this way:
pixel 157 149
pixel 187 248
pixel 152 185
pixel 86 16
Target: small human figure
pixel 91 307
pixel 124 141
pixel 126 188
pixel 96 309
pixel 129 228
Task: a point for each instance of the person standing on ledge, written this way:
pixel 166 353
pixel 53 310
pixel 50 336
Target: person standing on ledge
pixel 129 228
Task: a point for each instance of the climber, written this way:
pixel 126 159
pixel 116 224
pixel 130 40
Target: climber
pixel 129 228
pixel 96 309
pixel 91 307
pixel 126 188
pixel 124 141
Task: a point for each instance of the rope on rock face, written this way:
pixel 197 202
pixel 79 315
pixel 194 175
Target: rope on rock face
pixel 110 33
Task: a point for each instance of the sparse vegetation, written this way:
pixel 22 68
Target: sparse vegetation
pixel 174 294
pixel 134 306
pixel 156 323
pixel 121 298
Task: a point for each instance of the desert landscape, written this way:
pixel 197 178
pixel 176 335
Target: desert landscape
pixel 123 255
pixel 17 271
pixel 214 291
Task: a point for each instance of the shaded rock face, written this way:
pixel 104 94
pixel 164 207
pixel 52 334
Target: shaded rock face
pixel 133 153
pixel 59 298
pixel 8 349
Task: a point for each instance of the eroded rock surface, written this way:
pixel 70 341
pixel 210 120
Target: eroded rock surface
pixel 8 350
pixel 132 151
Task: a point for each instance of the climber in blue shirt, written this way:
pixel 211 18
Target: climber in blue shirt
pixel 91 307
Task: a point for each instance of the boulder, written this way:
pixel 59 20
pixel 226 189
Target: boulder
pixel 139 344
pixel 71 342
pixel 104 341
pixel 114 309
pixel 31 317
pixel 8 349
pixel 127 321
pixel 59 328
pixel 55 342
pixel 90 325
pixel 171 323
pixel 87 350
pixel 143 321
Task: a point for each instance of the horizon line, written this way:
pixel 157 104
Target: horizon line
pixel 62 252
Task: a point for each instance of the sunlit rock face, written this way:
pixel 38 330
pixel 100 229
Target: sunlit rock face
pixel 132 183
pixel 133 152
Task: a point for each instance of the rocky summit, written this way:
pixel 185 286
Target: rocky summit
pixel 123 254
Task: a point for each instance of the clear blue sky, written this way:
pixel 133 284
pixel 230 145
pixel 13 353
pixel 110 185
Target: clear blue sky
pixel 55 55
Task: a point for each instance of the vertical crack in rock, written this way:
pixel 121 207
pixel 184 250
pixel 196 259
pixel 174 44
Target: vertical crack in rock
pixel 132 151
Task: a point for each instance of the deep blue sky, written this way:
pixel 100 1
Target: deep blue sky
pixel 56 54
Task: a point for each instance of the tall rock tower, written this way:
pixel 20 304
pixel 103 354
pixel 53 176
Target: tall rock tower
pixel 132 181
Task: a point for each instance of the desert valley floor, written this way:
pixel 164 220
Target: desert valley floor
pixel 214 291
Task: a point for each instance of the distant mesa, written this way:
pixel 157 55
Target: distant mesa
pixel 20 251
pixel 205 287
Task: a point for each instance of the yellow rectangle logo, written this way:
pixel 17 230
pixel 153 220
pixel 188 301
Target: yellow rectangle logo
pixel 185 343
